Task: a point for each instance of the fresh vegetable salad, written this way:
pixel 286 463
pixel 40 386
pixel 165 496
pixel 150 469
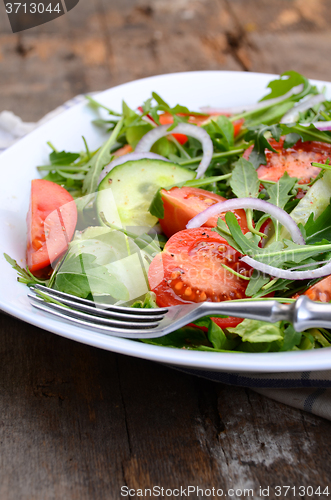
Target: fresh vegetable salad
pixel 182 206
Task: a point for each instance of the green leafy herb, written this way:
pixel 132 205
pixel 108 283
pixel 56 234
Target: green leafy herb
pixel 279 196
pixel 24 275
pixel 257 134
pixel 319 229
pixel 285 83
pixel 244 181
pixel 101 159
pixel 292 338
pixel 258 331
pixel 255 284
pixel 306 133
pixel 184 338
pixel 63 158
pixel 149 302
pixel 81 276
pixel 221 131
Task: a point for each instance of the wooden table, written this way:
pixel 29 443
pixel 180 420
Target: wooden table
pixel 77 422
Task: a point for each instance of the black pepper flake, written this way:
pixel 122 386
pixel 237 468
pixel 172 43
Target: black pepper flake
pixel 172 255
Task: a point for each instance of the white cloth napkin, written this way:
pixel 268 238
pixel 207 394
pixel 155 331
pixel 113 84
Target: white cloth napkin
pixel 309 391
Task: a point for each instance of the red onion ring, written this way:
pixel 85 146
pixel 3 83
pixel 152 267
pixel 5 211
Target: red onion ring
pixel 255 204
pixel 198 133
pixel 319 125
pixel 292 115
pixel 252 107
pixel 129 157
pixel 286 273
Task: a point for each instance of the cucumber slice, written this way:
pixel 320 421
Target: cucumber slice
pixel 125 194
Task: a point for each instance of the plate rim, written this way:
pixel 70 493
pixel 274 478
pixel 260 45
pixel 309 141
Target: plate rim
pixel 293 361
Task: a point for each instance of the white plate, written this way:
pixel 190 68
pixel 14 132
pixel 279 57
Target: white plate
pixel 18 167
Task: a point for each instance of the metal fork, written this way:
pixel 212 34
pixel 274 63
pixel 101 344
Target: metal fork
pixel 152 323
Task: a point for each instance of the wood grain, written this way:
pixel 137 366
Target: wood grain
pixel 77 422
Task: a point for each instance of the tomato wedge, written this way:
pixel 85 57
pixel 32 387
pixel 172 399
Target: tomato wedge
pixel 123 151
pixel 167 118
pixel 51 221
pixel 190 270
pixel 182 204
pixel 296 161
pixel 321 291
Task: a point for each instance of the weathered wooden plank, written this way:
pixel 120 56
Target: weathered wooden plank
pixel 283 35
pixel 78 422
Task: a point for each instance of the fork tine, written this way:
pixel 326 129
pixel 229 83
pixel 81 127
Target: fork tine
pixel 113 331
pixel 127 310
pixel 92 319
pixel 103 313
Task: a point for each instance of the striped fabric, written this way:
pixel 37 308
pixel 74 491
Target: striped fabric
pixel 309 391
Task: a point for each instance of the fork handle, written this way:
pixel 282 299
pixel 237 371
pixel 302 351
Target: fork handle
pixel 309 314
pixel 303 313
pixel 269 310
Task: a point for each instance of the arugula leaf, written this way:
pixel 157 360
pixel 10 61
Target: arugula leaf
pixel 24 275
pixel 306 133
pixel 257 134
pixel 247 246
pixel 96 105
pixel 291 139
pixel 255 284
pixel 188 338
pixel 319 229
pixel 98 161
pixel 222 230
pixel 292 338
pixel 156 207
pixel 218 338
pixel 221 131
pixel 162 105
pixel 279 196
pixel 279 284
pixel 81 276
pixel 63 158
pixel 244 181
pixel 285 83
pixel 269 116
pixel 277 253
pixel 278 192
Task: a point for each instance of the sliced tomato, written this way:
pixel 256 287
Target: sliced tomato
pixel 123 150
pixel 167 118
pixel 51 221
pixel 321 291
pixel 237 126
pixel 182 204
pixel 296 161
pixel 190 270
